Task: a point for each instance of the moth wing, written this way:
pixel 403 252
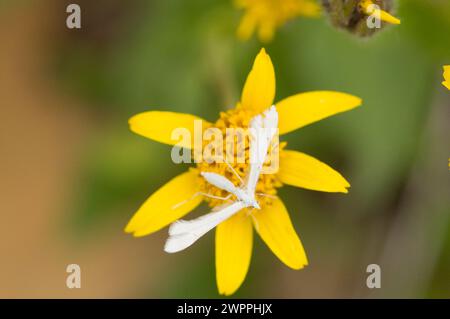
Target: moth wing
pixel 220 182
pixel 262 131
pixel 183 234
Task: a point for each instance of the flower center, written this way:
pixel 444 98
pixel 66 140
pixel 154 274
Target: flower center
pixel 267 185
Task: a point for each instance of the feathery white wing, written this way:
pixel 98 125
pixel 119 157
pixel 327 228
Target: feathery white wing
pixel 220 182
pixel 262 131
pixel 183 234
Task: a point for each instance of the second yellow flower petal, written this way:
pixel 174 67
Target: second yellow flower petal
pixel 259 89
pixel 301 170
pixel 162 208
pixel 305 108
pixel 159 126
pixel 274 226
pixel 234 241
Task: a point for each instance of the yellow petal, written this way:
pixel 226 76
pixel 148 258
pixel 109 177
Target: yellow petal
pixel 309 9
pixel 266 32
pixel 234 240
pixel 259 89
pixel 369 8
pixel 446 83
pixel 246 27
pixel 275 228
pixel 159 126
pixel 158 210
pixel 305 108
pixel 301 170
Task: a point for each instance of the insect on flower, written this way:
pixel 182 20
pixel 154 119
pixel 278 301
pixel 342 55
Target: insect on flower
pixel 185 233
pixel 234 235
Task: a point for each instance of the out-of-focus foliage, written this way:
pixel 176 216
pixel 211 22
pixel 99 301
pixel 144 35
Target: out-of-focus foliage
pixel 429 24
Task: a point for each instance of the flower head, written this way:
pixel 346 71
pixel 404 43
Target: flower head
pixel 234 236
pixel 265 16
pixel 446 82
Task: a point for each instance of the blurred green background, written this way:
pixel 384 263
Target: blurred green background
pixel 73 174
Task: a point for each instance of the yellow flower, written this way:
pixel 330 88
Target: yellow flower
pixel 368 8
pixel 234 237
pixel 446 82
pixel 265 16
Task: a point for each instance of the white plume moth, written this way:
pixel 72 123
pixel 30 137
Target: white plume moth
pixel 183 234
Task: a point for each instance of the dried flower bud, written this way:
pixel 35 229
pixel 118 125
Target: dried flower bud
pixel 360 17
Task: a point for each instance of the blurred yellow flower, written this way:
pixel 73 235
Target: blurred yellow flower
pixel 234 237
pixel 368 7
pixel 446 82
pixel 265 16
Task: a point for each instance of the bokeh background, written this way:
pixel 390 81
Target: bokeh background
pixel 72 174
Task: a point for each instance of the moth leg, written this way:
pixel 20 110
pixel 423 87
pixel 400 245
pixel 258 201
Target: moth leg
pixel 200 194
pixel 234 172
pixel 216 197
